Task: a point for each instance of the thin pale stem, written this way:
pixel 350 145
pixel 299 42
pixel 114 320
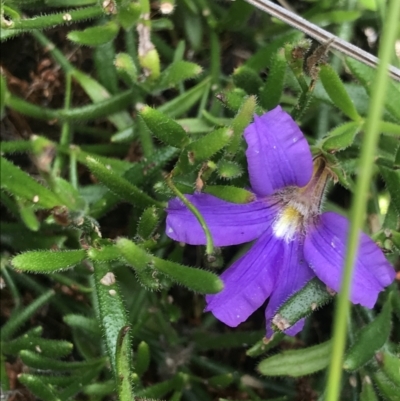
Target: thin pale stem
pixel 199 217
pixel 358 207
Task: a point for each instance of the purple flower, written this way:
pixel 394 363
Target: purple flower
pixel 294 241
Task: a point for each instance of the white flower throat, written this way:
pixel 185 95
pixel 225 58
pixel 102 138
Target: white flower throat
pixel 300 205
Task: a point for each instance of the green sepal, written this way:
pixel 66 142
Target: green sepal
pixel 177 72
pixel 296 363
pixel 341 137
pixel 164 128
pixel 195 279
pixel 48 261
pixel 142 362
pixel 240 122
pixel 38 387
pixel 230 193
pixel 148 223
pixel 337 92
pixel 229 170
pixel 313 295
pixel 369 340
pixel 119 185
pixel 126 67
pixel 272 90
pixel 247 79
pixel 392 181
pixel 20 184
pixel 96 35
pixel 129 14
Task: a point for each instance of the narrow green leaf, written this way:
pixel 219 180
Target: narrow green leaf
pixel 36 361
pixel 337 92
pixel 104 254
pixel 18 183
pixel 390 364
pixel 126 66
pixel 111 309
pixel 164 128
pixel 208 145
pixel 240 122
pixel 230 193
pixel 369 340
pixel 123 362
pixel 195 279
pixel 3 94
pixel 389 390
pixel 272 90
pixel 313 295
pixel 47 261
pixel 365 75
pixel 184 102
pixel 128 14
pixel 341 137
pixel 19 318
pixel 221 381
pixel 95 35
pixel 38 387
pixel 148 222
pixel 247 79
pixel 43 346
pixel 28 216
pixel 178 72
pixel 297 363
pixel 118 185
pixel 368 392
pixel 142 358
pixel 387 127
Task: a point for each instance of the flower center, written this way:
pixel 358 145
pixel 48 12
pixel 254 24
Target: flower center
pixel 300 205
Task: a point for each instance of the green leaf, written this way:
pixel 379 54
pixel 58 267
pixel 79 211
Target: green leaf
pixel 123 362
pixel 3 94
pixel 365 75
pixel 368 392
pixel 240 122
pixel 111 310
pixel 164 128
pixel 106 253
pixel 313 295
pixel 337 92
pixel 20 184
pixel 369 340
pixel 208 145
pixel 341 137
pixel 45 347
pixel 296 363
pixel 129 14
pixel 19 317
pixel 178 72
pixel 96 35
pixel 247 79
pixel 392 181
pixel 47 261
pixel 118 185
pixel 195 279
pixel 142 358
pixel 390 364
pixel 229 170
pixel 388 390
pixel 272 90
pixel 230 193
pixel 38 387
pixel 148 223
pixel 126 67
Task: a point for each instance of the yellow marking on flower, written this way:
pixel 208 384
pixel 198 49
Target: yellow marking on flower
pixel 288 223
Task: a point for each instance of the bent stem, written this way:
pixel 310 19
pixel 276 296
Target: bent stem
pixel 358 207
pixel 193 209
